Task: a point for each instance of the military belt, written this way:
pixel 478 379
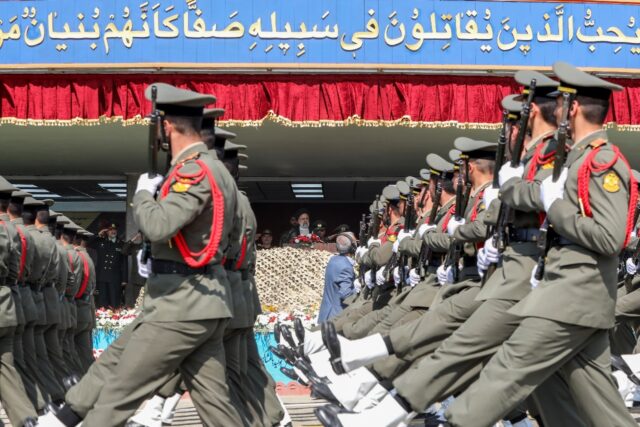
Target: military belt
pixel 560 241
pixel 524 234
pixel 160 266
pixel 84 298
pixel 245 274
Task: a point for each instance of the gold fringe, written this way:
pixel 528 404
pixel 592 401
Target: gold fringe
pixel 404 121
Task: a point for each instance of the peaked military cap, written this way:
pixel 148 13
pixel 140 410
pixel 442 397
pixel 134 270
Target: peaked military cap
pixel 30 202
pixel 54 214
pixel 223 133
pixel 243 156
pixel 72 226
pixel 454 156
pixel 513 104
pixel 230 146
pixel 179 102
pixel 49 202
pixel 438 165
pixel 476 149
pixel 404 189
pixel 425 175
pixel 209 117
pixel 6 187
pixel 413 182
pixel 87 234
pixel 544 84
pixel 575 81
pixel 243 167
pixel 19 194
pixel 62 219
pixel 391 193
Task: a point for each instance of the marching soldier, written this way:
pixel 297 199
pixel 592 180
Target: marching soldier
pixel 84 310
pixel 562 342
pixel 13 394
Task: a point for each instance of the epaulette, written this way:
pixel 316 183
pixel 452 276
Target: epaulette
pixel 597 143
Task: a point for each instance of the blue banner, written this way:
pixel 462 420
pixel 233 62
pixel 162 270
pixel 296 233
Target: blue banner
pixel 327 33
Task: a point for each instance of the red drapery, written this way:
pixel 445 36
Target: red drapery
pixel 296 100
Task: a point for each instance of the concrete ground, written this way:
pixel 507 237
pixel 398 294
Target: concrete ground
pixel 300 409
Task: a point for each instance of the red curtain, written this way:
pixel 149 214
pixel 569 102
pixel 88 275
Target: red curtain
pixel 312 100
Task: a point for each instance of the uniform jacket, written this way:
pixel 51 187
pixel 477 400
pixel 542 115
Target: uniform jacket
pixel 112 262
pixel 580 282
pixel 188 208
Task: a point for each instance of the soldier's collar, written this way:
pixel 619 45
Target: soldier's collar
pixel 537 140
pixel 483 187
pixel 196 147
pixel 593 136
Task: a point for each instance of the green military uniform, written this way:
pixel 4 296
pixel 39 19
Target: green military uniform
pixel 184 309
pixel 84 322
pixel 561 342
pixel 29 351
pixel 43 269
pixel 459 358
pixel 75 265
pixel 13 394
pixel 452 302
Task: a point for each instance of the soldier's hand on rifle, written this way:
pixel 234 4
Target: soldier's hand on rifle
pixel 396 276
pixel 144 269
pixel 445 275
pixel 401 236
pixel 482 263
pixel 490 194
pixel 380 276
pixel 491 252
pixel 551 191
pixel 453 224
pixel 424 228
pixel 414 277
pixel 507 172
pixel 533 281
pixel 146 183
pixel 631 267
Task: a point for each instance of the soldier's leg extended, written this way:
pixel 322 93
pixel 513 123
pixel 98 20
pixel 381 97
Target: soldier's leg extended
pixel 422 336
pixel 231 342
pixel 537 349
pixel 622 335
pixel 13 394
pixel 45 366
pixel 54 349
pixel 459 358
pixel 145 365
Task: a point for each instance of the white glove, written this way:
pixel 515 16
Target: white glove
pixel 632 267
pixel 380 279
pixel 403 234
pixel 396 276
pixel 368 280
pixel 445 275
pixel 357 285
pixel 507 172
pixel 490 194
pixel 453 224
pixel 144 269
pixel 551 191
pixel 361 251
pixel 534 282
pixel 414 277
pixel 633 234
pixel 149 184
pixel 372 241
pixel 396 246
pixel 424 228
pixel 482 262
pixel 491 252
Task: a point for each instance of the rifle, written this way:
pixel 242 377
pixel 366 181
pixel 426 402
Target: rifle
pixel 374 229
pixel 362 235
pixel 152 155
pixel 403 260
pixel 425 251
pixel 544 242
pixel 504 214
pixel 455 249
